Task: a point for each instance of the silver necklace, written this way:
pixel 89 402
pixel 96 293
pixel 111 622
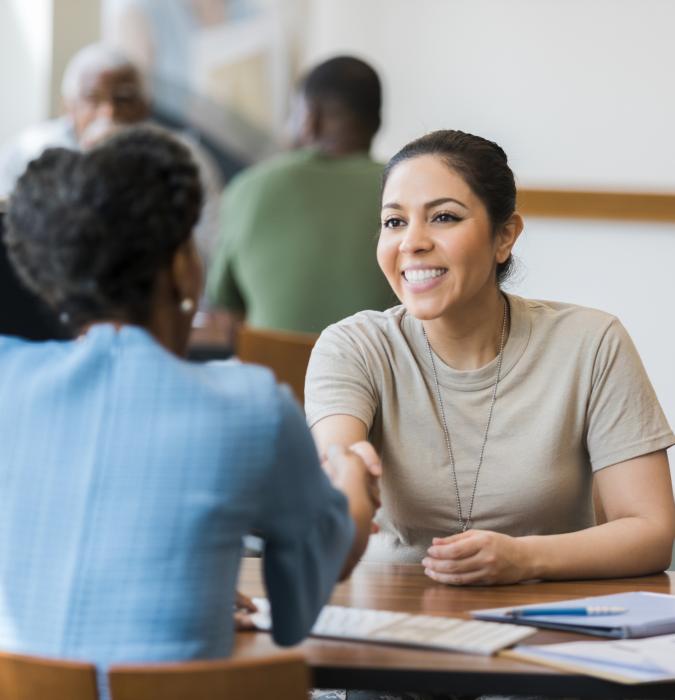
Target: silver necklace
pixel 465 523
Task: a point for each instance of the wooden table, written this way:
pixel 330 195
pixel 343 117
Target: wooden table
pixel 405 588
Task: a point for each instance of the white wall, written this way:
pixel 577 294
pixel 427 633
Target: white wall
pixel 578 92
pixel 37 38
pixel 25 57
pixel 74 25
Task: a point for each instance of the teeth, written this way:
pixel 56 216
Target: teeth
pixel 423 275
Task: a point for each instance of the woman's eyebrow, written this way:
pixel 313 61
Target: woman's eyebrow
pixel 444 200
pixel 429 205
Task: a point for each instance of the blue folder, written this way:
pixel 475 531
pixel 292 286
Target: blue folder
pixel 647 615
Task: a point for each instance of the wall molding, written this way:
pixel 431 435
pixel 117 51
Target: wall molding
pixel 585 204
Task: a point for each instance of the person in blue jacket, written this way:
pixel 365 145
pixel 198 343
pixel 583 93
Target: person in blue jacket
pixel 128 475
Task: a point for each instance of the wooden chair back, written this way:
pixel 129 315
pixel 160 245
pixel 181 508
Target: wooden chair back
pixel 281 677
pixel 35 678
pixel 286 354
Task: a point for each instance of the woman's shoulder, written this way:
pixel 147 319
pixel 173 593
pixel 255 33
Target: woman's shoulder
pixel 368 340
pixel 30 351
pixel 369 335
pixel 368 324
pixel 242 394
pixel 10 342
pixel 231 379
pixel 563 315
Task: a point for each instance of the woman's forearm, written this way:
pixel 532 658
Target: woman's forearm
pixel 362 511
pixel 630 546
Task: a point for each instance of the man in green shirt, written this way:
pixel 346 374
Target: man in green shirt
pixel 298 238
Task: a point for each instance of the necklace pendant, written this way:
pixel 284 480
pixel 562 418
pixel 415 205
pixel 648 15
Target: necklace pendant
pixel 466 524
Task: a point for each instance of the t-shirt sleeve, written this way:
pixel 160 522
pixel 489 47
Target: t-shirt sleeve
pixel 339 379
pixel 306 526
pixel 222 289
pixel 624 418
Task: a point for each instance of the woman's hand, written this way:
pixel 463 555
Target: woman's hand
pixel 341 469
pixel 477 557
pixel 356 471
pixel 243 607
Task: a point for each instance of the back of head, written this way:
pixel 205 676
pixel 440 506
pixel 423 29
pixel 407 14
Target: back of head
pixel 90 232
pixel 348 84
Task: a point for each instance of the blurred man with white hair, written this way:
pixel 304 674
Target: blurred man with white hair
pixel 102 92
pixel 98 83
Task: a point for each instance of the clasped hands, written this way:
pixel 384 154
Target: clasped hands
pixel 477 557
pixel 340 465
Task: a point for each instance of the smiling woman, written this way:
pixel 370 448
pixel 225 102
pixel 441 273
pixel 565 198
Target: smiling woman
pixel 494 415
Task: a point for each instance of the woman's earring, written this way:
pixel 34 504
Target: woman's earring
pixel 187 305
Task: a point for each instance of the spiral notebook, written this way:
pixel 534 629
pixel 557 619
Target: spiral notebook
pixel 646 615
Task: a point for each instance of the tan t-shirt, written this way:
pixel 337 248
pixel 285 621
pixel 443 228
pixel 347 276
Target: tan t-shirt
pixel 573 398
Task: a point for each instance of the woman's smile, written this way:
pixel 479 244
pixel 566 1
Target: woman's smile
pixel 421 278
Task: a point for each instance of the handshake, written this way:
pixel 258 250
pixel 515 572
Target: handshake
pixel 356 471
pixel 355 468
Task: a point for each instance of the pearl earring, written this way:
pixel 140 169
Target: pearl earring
pixel 187 305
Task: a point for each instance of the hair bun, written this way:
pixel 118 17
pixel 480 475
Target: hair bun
pixel 90 232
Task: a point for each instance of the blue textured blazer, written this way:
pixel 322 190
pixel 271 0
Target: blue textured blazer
pixel 127 479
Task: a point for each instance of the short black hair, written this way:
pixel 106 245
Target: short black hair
pixel 352 83
pixel 89 232
pixel 482 164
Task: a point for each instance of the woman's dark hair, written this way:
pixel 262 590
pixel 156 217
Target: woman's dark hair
pixel 89 232
pixel 482 164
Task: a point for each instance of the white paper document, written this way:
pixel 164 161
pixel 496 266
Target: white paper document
pixel 403 629
pixel 648 660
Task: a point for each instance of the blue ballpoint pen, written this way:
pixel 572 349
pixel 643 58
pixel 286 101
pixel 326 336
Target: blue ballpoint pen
pixel 583 612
